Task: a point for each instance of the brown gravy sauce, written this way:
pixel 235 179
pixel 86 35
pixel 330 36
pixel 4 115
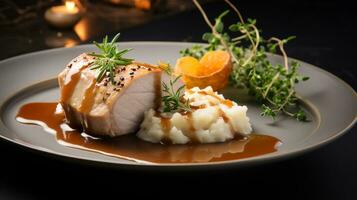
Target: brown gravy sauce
pixel 227 102
pixel 166 127
pixel 157 84
pixel 132 148
pixel 210 94
pixel 88 98
pixel 192 131
pixel 69 84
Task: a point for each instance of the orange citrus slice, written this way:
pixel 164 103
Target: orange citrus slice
pixel 212 69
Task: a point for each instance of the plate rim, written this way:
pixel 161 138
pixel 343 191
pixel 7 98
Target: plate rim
pixel 245 161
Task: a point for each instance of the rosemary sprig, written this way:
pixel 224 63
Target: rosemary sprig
pixel 109 58
pixel 173 99
pixel 273 85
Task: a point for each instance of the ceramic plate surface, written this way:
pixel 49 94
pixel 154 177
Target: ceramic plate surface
pixel 331 105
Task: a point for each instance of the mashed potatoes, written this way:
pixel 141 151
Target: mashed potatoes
pixel 212 119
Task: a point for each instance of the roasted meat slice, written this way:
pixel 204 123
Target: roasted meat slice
pixel 104 107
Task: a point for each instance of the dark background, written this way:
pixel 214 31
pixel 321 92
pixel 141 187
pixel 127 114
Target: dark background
pixel 326 36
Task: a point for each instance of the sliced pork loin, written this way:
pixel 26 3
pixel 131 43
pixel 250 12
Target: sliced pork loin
pixel 106 108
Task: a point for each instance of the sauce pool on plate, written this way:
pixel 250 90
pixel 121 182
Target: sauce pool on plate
pixel 132 148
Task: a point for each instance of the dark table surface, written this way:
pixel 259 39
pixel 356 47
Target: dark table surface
pixel 326 36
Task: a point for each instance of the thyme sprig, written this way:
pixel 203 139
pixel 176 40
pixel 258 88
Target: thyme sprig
pixel 109 58
pixel 273 85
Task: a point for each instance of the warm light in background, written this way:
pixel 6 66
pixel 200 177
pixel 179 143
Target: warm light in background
pixel 82 29
pixel 143 4
pixel 140 4
pixel 71 6
pixel 63 16
pixel 70 43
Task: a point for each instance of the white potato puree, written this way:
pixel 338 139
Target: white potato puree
pixel 213 119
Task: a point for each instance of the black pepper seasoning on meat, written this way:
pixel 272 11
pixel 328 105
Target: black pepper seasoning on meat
pixel 107 95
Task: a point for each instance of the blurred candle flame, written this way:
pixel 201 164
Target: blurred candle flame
pixel 70 5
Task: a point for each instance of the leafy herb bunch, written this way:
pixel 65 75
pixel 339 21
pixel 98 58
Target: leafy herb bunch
pixel 273 85
pixel 109 58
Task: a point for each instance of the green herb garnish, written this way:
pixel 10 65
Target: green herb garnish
pixel 273 85
pixel 173 99
pixel 109 59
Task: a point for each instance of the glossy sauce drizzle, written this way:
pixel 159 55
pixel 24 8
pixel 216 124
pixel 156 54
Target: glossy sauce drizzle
pixel 131 148
pixel 88 98
pixel 69 84
pixel 192 129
